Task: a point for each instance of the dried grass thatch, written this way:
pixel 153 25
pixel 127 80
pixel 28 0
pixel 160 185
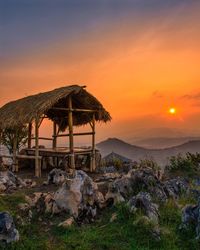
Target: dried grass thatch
pixel 23 111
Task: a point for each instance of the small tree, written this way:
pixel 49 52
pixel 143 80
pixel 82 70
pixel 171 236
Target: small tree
pixel 9 136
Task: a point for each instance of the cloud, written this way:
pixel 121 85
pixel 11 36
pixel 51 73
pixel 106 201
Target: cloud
pixel 191 96
pixel 157 94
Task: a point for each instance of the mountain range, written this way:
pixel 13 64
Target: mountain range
pixel 161 156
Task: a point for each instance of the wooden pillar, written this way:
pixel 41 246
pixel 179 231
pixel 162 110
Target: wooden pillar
pixel 93 160
pixel 29 134
pixel 37 160
pixel 54 145
pixel 71 139
pixel 15 163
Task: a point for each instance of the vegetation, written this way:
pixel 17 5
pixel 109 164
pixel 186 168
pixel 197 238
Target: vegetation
pixel 189 164
pixel 127 232
pixel 10 136
pixel 148 163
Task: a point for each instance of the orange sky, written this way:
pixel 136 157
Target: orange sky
pixel 137 68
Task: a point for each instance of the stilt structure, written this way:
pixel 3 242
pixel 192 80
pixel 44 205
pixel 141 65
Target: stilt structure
pixel 66 107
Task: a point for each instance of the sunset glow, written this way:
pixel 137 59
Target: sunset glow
pixel 132 55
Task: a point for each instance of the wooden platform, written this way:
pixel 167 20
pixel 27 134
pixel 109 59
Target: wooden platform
pixel 58 152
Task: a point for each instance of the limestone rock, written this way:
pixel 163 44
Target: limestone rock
pixel 191 215
pixel 75 193
pixel 8 232
pixel 9 181
pixel 67 223
pixel 143 201
pixel 56 176
pixel 175 187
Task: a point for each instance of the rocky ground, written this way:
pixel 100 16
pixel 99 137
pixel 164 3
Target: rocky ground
pixel 110 210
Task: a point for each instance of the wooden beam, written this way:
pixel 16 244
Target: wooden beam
pixel 29 134
pixel 54 144
pixel 42 138
pixel 71 139
pixel 40 121
pixel 75 134
pixel 28 157
pixel 75 110
pixel 37 161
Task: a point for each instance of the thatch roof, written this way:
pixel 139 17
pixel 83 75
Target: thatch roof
pixel 23 111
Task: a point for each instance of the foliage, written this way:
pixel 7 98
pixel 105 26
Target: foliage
pixel 186 163
pixel 148 163
pixel 9 136
pixel 115 162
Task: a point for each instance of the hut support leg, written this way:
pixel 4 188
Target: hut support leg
pixel 29 134
pixel 54 144
pixel 15 162
pixel 37 160
pixel 71 139
pixel 93 160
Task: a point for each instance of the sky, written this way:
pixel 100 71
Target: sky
pixel 138 57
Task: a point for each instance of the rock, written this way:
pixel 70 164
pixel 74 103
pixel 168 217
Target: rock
pixel 24 206
pixel 175 187
pixel 2 187
pixel 49 202
pixel 67 223
pixel 191 215
pixel 56 176
pixel 8 232
pixel 113 217
pixel 114 194
pixel 75 193
pixel 143 201
pixel 108 177
pixel 122 188
pixel 9 181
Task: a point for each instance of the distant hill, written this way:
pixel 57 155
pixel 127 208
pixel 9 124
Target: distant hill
pixel 136 153
pixel 163 142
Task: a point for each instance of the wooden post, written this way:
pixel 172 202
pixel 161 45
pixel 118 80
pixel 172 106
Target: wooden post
pixel 37 160
pixel 29 134
pixel 15 163
pixel 71 139
pixel 54 145
pixel 93 161
pixel 54 142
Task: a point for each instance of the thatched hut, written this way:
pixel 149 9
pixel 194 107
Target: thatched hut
pixel 66 107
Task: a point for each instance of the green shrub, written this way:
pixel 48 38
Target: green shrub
pixel 186 163
pixel 148 163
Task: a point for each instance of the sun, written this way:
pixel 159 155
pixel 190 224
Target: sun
pixel 172 111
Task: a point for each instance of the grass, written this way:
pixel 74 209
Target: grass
pixel 121 234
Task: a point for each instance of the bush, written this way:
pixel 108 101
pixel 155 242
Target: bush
pixel 148 163
pixel 187 163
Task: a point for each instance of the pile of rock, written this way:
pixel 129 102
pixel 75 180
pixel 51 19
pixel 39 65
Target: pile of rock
pixel 9 181
pixel 78 195
pixel 145 179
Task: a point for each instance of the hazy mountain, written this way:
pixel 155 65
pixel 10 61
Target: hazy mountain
pixel 163 142
pixel 136 153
